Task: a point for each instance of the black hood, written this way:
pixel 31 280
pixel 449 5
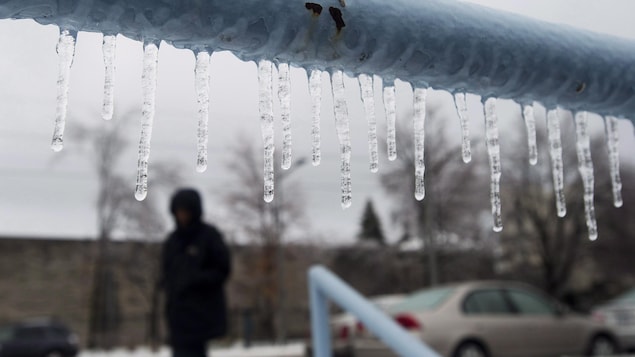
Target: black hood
pixel 188 199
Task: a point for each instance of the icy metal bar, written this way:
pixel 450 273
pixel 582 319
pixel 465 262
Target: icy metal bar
pixel 322 285
pixel 445 44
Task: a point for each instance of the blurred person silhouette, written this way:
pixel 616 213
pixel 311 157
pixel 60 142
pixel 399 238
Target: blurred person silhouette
pixel 194 269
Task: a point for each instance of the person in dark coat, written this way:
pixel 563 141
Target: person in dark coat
pixel 195 267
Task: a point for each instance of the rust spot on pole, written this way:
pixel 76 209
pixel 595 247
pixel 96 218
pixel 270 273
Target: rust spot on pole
pixel 316 8
pixel 336 14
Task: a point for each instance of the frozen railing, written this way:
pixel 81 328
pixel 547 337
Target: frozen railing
pixel 324 285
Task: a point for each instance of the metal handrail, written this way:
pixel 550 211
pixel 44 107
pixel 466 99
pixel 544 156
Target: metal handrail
pixel 324 285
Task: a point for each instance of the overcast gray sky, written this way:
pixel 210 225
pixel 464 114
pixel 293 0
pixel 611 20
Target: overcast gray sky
pixel 44 194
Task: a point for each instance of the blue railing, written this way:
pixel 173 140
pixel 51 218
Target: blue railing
pixel 324 285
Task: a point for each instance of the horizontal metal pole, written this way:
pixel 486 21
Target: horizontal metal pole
pixel 445 44
pixel 323 284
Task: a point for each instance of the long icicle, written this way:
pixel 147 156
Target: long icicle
pixel 65 52
pixel 493 151
pixel 343 135
pixel 420 95
pixel 265 83
pixel 460 102
pixel 368 98
pixel 284 95
pixel 201 85
pixel 315 89
pixel 149 89
pixel 390 106
pixel 530 124
pixel 557 167
pixel 612 144
pixel 585 166
pixel 109 49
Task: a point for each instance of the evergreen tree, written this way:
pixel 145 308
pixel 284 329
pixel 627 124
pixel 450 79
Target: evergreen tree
pixel 371 226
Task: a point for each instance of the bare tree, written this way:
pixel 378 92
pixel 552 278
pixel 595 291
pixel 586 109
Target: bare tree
pixel 118 213
pixel 266 224
pixel 454 198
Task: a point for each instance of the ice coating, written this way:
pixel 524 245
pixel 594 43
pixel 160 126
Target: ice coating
pixel 368 98
pixel 555 152
pixel 585 166
pixel 343 135
pixel 420 95
pixel 493 152
pixel 201 86
pixel 149 89
pixel 315 89
pixel 65 52
pixel 284 95
pixel 612 144
pixel 390 106
pixel 530 123
pixel 460 102
pixel 109 48
pixel 265 108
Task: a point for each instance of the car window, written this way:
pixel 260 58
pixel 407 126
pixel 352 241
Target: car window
pixel 58 332
pixel 628 296
pixel 486 302
pixel 30 333
pixel 6 334
pixel 528 303
pixel 423 300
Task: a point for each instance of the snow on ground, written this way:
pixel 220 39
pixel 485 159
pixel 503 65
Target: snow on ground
pixel 290 350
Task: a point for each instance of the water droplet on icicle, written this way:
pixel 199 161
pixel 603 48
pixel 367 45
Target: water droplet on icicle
pixel 201 85
pixel 420 95
pixel 315 89
pixel 65 52
pixel 265 108
pixel 530 123
pixel 460 101
pixel 344 136
pixel 284 94
pixel 612 143
pixel 109 48
pixel 585 166
pixel 390 105
pixel 493 151
pixel 555 151
pixel 149 89
pixel 368 98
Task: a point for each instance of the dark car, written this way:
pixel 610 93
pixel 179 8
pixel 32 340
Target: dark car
pixel 38 338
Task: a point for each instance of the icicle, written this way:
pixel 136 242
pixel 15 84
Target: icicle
pixel 530 123
pixel 612 143
pixel 460 101
pixel 265 107
pixel 109 47
pixel 315 89
pixel 493 151
pixel 585 166
pixel 284 94
pixel 555 151
pixel 420 95
pixel 201 85
pixel 368 98
pixel 65 52
pixel 343 134
pixel 390 105
pixel 149 89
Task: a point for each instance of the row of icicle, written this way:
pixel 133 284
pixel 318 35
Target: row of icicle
pixel 66 49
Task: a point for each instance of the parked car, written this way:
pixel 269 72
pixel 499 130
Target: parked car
pixel 38 338
pixel 619 313
pixel 494 319
pixel 346 327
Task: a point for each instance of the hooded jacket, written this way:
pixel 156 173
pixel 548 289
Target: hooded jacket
pixel 195 266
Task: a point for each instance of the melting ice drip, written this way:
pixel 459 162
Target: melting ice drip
pixel 65 52
pixel 66 49
pixel 149 89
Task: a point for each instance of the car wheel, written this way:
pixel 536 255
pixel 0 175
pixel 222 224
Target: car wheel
pixel 470 349
pixel 54 354
pixel 602 346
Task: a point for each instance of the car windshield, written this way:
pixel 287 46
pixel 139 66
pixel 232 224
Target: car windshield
pixel 627 297
pixel 5 334
pixel 424 300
